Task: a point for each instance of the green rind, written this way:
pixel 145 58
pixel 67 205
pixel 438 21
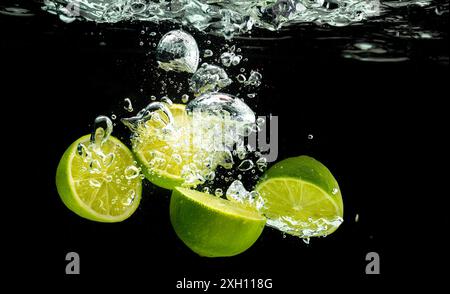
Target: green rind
pixel 307 169
pixel 209 232
pixel 68 195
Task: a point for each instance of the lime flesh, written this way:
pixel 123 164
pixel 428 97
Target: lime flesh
pixel 212 226
pixel 96 188
pixel 163 155
pixel 301 198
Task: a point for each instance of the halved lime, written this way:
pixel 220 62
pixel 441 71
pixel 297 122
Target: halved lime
pixel 212 226
pixel 301 197
pixel 101 186
pixel 164 153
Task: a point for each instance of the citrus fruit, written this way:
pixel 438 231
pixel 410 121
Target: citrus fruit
pixel 301 197
pixel 163 153
pixel 212 226
pixel 101 185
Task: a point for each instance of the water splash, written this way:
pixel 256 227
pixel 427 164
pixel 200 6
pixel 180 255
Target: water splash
pixel 221 17
pixel 147 113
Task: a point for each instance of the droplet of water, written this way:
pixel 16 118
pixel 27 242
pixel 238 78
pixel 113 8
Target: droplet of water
pixel 310 136
pixel 128 106
pixel 152 97
pixel 178 51
pixel 245 165
pixel 335 191
pixel 251 95
pixel 356 218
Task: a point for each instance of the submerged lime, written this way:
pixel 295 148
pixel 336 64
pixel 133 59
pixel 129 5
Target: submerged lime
pixel 103 186
pixel 212 226
pixel 301 197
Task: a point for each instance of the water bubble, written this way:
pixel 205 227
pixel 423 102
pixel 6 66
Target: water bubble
pixel 103 128
pixel 208 78
pixel 130 198
pixel 185 98
pixel 205 190
pixel 356 218
pixel 251 95
pixel 166 100
pixel 128 107
pixel 310 136
pixel 261 163
pixel 236 192
pixel 82 150
pixel 241 151
pixel 108 159
pixel 335 191
pixel 113 116
pixel 254 79
pixel 210 176
pixel 241 78
pixel 218 192
pixel 152 34
pixel 208 53
pixel 178 51
pixel 147 113
pixel 245 165
pixel 227 161
pixel 95 183
pixel 131 172
pixel 224 106
pixel 177 158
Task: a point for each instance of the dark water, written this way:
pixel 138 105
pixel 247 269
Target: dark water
pixel 365 92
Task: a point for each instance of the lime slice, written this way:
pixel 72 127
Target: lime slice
pixel 301 198
pixel 103 187
pixel 212 226
pixel 164 153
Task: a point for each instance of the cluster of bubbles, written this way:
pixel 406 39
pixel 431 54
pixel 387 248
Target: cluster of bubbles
pixel 220 122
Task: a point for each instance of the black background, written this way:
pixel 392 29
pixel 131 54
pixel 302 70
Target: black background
pixel 373 124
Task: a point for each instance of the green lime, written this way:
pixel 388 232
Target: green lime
pixel 301 197
pixel 162 154
pixel 99 184
pixel 212 226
